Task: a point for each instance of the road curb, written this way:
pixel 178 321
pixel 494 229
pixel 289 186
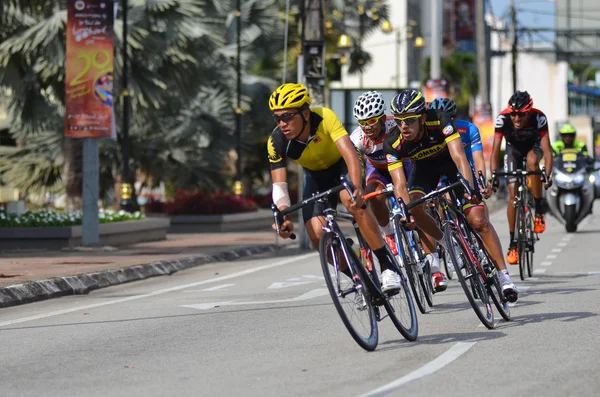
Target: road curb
pixel 39 290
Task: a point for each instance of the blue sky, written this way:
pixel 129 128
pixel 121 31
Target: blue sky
pixel 530 13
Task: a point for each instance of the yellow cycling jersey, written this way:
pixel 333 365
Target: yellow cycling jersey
pixel 318 153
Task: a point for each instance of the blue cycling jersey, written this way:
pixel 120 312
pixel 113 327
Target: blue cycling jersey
pixel 469 135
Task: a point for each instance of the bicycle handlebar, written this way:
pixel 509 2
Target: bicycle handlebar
pixel 278 215
pixel 523 173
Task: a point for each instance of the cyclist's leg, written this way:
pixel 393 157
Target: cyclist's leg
pixel 369 228
pixel 533 164
pixel 376 181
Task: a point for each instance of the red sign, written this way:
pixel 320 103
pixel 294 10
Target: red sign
pixel 435 89
pixel 89 69
pixel 465 21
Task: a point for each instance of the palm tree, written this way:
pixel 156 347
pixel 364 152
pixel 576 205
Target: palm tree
pixel 181 104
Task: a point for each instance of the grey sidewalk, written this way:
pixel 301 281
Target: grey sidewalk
pixel 29 276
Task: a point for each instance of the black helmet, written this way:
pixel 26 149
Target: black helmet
pixel 408 101
pixel 520 102
pixel 446 104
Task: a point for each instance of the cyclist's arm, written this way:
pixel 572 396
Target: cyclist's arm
pixel 547 149
pixel 477 150
pixel 400 185
pixel 350 155
pixel 460 159
pixel 495 152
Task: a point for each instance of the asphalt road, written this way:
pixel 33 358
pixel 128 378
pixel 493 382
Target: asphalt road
pixel 267 327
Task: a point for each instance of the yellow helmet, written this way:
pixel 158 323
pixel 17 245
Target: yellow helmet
pixel 289 95
pixel 567 129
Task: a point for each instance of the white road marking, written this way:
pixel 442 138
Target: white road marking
pixel 157 292
pixel 563 244
pixel 315 293
pixel 219 287
pixel 285 284
pixel 523 288
pixel 551 257
pixel 557 250
pixel 449 356
pixel 539 271
pixel 533 279
pixel 545 263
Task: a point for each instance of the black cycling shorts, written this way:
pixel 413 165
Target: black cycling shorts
pixel 425 178
pixel 318 182
pixel 515 157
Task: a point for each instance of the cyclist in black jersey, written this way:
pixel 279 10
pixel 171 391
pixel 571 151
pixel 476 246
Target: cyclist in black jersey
pixel 430 140
pixel 525 130
pixel 316 140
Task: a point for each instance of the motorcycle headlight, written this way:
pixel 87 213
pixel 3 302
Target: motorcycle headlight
pixel 560 177
pixel 578 178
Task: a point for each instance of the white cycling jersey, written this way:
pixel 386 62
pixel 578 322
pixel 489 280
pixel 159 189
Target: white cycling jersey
pixel 373 151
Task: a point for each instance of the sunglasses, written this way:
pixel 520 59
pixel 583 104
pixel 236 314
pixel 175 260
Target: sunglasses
pixel 371 121
pixel 520 114
pixel 285 117
pixel 408 120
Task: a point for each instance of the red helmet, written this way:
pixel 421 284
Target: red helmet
pixel 520 101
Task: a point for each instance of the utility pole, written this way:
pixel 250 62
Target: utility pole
pixel 313 58
pixel 238 186
pixel 513 36
pixel 436 39
pixel 484 94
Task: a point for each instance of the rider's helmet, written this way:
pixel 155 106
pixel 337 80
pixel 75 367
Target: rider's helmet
pixel 567 129
pixel 521 102
pixel 370 104
pixel 408 101
pixel 445 104
pixel 289 96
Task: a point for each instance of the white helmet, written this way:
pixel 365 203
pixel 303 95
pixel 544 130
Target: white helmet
pixel 370 104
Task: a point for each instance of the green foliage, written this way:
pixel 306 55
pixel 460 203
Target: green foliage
pixel 460 69
pixel 49 218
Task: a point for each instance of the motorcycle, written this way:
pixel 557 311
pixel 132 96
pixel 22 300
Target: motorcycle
pixel 572 195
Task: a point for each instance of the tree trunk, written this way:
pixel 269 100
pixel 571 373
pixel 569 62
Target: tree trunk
pixel 73 173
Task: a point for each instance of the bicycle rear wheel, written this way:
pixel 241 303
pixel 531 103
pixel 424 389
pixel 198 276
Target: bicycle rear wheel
pixel 401 309
pixel 350 296
pixel 469 277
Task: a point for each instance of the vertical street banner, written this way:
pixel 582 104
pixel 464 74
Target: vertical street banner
pixel 89 69
pixel 464 17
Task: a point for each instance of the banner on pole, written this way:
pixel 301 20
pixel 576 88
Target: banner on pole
pixel 89 69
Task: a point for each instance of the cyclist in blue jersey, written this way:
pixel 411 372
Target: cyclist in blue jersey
pixel 471 141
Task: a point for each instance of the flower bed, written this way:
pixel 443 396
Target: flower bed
pixel 200 203
pixel 49 218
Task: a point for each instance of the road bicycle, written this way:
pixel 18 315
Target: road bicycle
pixel 355 291
pixel 410 252
pixel 473 266
pixel 524 237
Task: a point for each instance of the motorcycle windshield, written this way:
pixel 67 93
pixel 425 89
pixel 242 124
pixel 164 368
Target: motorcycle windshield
pixel 570 161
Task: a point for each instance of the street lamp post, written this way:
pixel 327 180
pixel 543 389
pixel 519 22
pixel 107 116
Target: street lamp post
pixel 238 186
pixel 387 27
pixel 127 203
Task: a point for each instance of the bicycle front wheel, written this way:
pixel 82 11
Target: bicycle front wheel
pixel 529 242
pixel 410 265
pixel 350 296
pixel 469 277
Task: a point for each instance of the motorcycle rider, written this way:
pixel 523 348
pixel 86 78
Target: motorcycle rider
pixel 568 141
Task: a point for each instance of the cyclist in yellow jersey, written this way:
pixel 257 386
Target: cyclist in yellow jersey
pixel 316 140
